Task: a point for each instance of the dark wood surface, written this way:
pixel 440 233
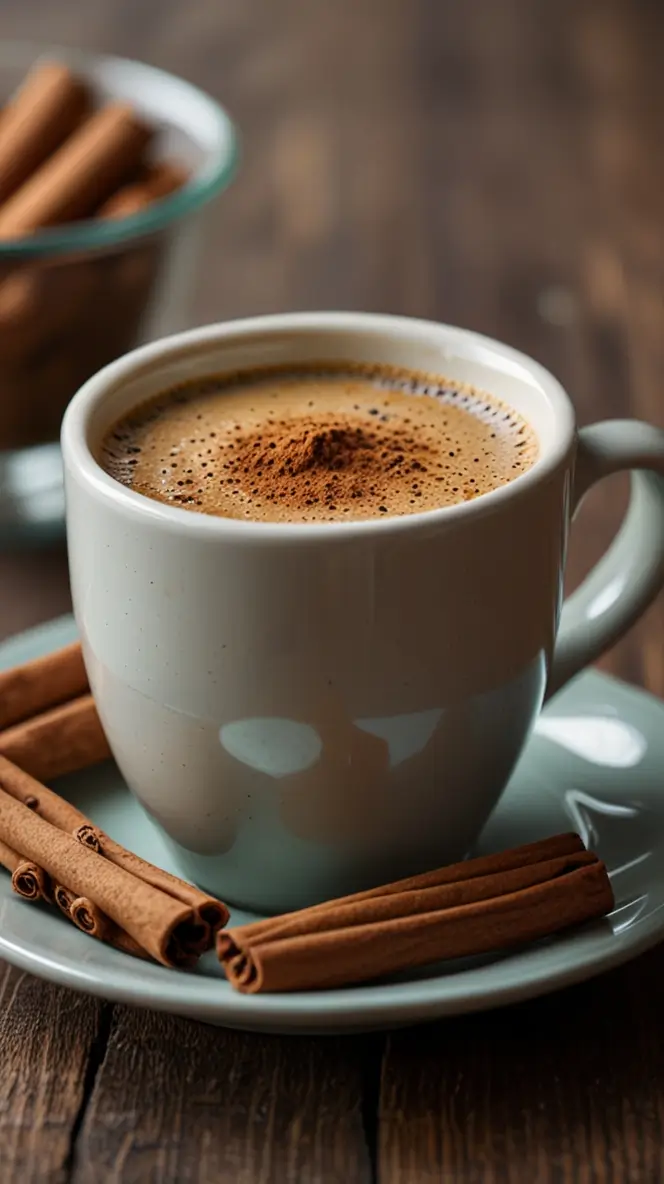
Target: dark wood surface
pixel 495 163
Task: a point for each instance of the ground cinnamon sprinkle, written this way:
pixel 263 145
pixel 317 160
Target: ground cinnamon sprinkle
pixel 323 463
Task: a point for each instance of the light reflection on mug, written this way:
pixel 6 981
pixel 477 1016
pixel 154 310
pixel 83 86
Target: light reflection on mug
pixel 276 747
pixel 279 747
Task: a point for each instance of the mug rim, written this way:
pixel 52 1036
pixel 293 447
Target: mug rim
pixel 79 457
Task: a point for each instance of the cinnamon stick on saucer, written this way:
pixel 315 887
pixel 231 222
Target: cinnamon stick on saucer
pixel 90 919
pixel 28 879
pixel 57 742
pixel 35 686
pixel 210 914
pixel 49 724
pixel 209 909
pixel 473 907
pixel 169 931
pixel 63 898
pixel 31 793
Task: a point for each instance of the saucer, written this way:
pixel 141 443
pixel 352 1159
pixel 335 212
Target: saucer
pixel 594 765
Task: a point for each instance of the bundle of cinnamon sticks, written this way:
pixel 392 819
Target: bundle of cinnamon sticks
pixel 55 853
pixel 62 159
pixel 49 726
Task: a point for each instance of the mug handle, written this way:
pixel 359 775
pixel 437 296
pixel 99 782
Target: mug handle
pixel 631 573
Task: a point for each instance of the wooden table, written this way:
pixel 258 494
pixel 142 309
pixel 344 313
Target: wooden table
pixel 496 163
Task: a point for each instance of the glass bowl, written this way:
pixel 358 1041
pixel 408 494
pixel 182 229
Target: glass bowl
pixel 73 298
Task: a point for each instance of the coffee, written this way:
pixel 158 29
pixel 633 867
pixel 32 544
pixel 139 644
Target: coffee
pixel 319 443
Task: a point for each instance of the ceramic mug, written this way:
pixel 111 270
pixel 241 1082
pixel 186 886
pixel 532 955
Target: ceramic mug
pixel 306 709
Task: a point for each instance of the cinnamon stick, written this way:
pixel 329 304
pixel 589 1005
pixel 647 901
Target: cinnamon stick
pixel 64 899
pixel 169 931
pixel 210 910
pixel 470 908
pixel 59 741
pixel 80 175
pixel 45 682
pixel 159 181
pixel 554 847
pixel 90 919
pixel 49 105
pixel 28 879
pixel 31 793
pixel 60 813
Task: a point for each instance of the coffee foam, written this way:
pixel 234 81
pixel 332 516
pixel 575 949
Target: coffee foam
pixel 325 442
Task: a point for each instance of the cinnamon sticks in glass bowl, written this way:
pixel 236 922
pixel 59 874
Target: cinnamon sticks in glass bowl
pixel 105 166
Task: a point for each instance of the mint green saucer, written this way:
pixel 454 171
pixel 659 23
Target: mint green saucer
pixel 594 765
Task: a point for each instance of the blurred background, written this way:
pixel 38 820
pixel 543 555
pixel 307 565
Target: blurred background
pixel 494 163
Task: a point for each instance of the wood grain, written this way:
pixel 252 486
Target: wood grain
pixel 494 163
pixel 47 1049
pixel 564 1090
pixel 177 1102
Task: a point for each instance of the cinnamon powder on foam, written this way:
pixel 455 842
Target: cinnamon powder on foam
pixel 320 445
